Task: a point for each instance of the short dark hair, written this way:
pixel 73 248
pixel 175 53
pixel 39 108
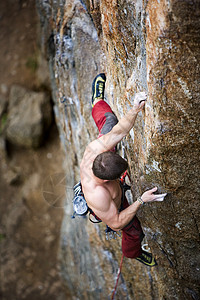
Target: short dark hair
pixel 109 166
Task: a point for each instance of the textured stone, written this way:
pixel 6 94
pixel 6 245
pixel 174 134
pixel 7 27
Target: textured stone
pixel 12 176
pixel 29 227
pixel 29 116
pixel 141 45
pixel 3 105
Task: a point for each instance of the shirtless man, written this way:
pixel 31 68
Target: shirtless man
pixel 101 169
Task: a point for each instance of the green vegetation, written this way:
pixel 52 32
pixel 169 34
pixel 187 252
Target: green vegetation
pixel 32 63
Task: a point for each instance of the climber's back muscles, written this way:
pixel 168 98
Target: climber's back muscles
pixel 104 196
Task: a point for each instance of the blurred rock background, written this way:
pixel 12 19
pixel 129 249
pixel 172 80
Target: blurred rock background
pixel 51 62
pixel 30 154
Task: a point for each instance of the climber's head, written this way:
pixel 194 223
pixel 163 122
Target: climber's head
pixel 109 166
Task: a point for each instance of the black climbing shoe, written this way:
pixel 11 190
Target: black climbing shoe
pixel 98 87
pixel 147 259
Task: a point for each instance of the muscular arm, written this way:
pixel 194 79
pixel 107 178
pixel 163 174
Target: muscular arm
pixel 121 129
pixel 124 217
pixel 104 207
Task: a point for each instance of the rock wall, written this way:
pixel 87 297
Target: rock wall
pixel 140 45
pixel 30 154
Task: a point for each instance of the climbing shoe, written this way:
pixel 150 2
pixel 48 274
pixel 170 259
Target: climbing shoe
pixel 98 87
pixel 147 259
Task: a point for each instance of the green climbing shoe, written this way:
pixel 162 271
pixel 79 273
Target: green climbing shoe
pixel 147 259
pixel 98 87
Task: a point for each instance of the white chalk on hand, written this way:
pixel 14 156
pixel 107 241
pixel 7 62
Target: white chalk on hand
pixel 160 197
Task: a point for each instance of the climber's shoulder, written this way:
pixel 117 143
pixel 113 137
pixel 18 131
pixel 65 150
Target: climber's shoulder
pixel 93 149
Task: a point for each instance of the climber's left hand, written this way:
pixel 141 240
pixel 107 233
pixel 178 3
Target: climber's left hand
pixel 139 100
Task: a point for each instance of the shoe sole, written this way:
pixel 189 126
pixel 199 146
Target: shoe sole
pixel 152 264
pixel 99 78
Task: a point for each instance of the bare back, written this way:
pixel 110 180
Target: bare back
pixel 102 196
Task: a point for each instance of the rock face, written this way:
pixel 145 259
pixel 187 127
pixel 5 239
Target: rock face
pixel 29 224
pixel 140 45
pixel 29 116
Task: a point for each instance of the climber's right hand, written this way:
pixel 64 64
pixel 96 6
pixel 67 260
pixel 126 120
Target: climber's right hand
pixel 148 196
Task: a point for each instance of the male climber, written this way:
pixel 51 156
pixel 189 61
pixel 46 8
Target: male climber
pixel 101 168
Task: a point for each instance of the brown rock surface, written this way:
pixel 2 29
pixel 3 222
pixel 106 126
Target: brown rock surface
pixel 150 46
pixel 29 225
pixel 140 45
pixel 29 117
pixel 143 45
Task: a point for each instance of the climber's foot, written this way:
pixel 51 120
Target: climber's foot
pixel 98 87
pixel 147 259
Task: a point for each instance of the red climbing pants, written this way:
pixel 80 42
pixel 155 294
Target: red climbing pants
pixel 104 117
pixel 132 234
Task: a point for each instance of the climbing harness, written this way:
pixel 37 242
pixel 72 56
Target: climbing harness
pixel 111 234
pixel 80 205
pixel 81 208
